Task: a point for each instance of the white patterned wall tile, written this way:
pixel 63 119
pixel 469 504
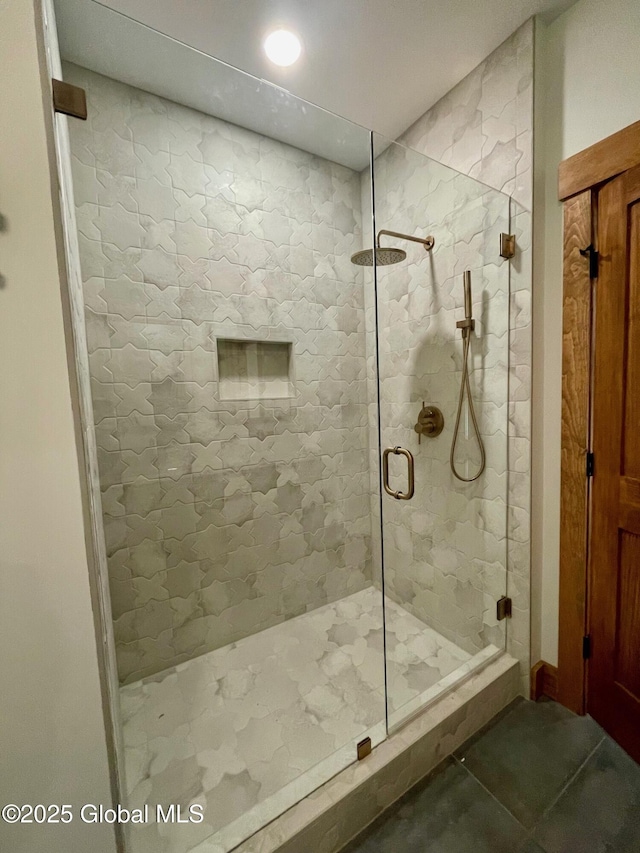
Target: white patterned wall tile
pixel 186 251
pixel 445 551
pixel 493 107
pixel 225 516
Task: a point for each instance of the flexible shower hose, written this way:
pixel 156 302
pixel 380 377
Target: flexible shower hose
pixel 466 341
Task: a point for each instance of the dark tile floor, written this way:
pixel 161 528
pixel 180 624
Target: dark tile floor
pixel 538 779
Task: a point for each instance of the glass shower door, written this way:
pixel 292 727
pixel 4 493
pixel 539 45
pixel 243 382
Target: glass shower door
pixel 444 545
pixel 226 350
pixel 248 365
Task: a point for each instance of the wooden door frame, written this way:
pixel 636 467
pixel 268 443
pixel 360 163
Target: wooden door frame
pixel 579 179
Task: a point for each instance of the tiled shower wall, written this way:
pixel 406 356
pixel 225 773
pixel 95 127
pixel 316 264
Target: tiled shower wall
pixel 445 551
pixel 222 517
pixel 484 128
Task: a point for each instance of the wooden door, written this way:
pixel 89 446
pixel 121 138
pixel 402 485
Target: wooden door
pixel 613 673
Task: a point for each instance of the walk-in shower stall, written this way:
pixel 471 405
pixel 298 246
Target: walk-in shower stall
pixel 294 569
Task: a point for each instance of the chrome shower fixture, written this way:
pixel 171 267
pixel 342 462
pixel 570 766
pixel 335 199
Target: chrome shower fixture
pixel 466 326
pixel 386 255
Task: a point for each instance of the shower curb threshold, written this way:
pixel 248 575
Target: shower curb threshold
pixel 326 820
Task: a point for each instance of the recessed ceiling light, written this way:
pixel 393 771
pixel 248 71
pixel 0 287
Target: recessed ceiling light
pixel 282 47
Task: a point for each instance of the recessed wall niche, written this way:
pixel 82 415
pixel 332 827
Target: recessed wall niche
pixel 254 370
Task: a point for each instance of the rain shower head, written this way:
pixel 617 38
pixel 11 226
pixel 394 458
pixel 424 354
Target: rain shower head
pixel 384 257
pixel 387 255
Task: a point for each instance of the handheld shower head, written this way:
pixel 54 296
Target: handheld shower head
pixel 467 294
pixel 466 326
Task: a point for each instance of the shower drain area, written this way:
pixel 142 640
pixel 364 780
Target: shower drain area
pixel 249 729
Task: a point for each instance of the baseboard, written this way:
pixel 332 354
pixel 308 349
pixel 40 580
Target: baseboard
pixel 544 680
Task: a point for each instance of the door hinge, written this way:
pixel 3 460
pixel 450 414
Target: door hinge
pixel 586 647
pixel 364 748
pixel 507 245
pixel 68 99
pixel 503 608
pixel 594 259
pixel 591 464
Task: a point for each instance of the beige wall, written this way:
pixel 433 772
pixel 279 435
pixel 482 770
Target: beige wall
pixel 587 87
pixel 52 738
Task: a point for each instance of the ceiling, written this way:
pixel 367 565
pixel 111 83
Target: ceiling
pixel 378 63
pixel 111 44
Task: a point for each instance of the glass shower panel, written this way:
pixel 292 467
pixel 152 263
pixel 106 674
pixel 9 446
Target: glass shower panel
pixel 226 333
pixel 444 545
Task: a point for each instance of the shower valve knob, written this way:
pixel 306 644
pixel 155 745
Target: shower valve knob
pixel 430 422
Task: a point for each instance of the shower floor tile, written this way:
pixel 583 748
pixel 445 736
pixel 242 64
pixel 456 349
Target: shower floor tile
pixel 249 729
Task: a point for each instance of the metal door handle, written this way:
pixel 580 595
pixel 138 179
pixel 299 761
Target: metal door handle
pixel 398 495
